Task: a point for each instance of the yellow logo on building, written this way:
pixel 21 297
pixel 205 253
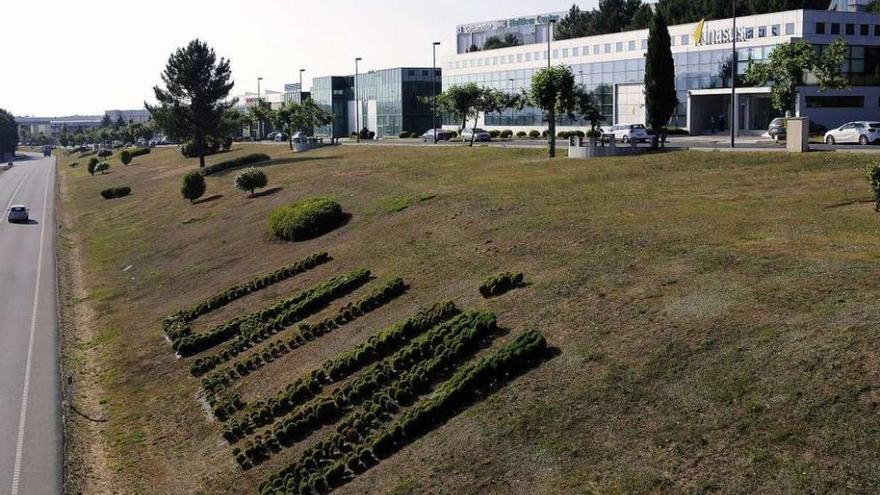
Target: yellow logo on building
pixel 698 32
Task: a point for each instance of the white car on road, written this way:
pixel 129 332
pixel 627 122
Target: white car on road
pixel 629 132
pixel 861 132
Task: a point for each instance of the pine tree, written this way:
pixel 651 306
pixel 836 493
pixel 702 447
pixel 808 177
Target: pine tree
pixel 660 96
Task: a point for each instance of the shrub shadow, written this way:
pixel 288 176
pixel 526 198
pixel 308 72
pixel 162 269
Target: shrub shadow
pixel 208 199
pixel 267 192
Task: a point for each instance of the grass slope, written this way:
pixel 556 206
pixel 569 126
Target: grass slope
pixel 717 314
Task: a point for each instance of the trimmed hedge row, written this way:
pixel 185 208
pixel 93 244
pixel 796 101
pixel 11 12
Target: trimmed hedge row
pixel 501 283
pixel 115 192
pixel 306 333
pixel 177 326
pixel 359 444
pixel 407 374
pixel 275 317
pixel 136 152
pixel 234 163
pixel 305 219
pixel 343 365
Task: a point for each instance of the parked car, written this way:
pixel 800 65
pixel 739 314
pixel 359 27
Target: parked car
pixel 18 213
pixel 630 133
pixel 280 136
pixel 861 132
pixel 442 135
pixel 776 130
pixel 479 135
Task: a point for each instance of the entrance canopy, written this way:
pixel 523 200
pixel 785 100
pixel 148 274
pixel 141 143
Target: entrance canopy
pixel 708 110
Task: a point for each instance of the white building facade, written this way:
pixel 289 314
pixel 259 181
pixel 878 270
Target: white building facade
pixel 613 65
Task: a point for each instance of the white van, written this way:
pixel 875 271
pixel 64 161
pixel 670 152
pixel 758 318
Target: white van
pixel 630 133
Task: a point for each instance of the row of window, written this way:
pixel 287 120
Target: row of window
pixel 834 28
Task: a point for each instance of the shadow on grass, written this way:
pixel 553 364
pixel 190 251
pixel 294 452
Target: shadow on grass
pixel 208 199
pixel 849 203
pixel 267 192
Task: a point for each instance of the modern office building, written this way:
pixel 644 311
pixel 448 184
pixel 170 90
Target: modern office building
pixel 613 66
pixel 387 101
pixel 138 116
pixel 52 127
pixel 528 30
pixel 293 93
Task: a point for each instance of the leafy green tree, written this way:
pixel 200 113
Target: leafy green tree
pixel 193 186
pixel 194 102
pixel 553 90
pixel 587 107
pixel 125 157
pixel 660 96
pixel 789 63
pixel 8 133
pixel 302 117
pixel 105 121
pixel 249 179
pixel 461 102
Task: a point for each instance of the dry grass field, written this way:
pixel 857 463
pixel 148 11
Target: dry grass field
pixel 716 315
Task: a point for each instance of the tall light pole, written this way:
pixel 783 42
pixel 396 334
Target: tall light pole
pixel 434 46
pixel 511 95
pixel 357 103
pixel 260 109
pixel 733 71
pixel 301 84
pixel 549 38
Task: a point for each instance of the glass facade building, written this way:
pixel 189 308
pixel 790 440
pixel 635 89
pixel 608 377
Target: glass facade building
pixel 387 102
pixel 613 67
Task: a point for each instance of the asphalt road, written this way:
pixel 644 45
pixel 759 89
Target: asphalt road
pixel 30 397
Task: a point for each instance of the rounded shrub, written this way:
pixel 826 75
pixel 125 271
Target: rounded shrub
pixel 249 179
pixel 93 162
pixel 105 153
pixel 101 167
pixel 534 134
pixel 494 134
pixel 506 134
pixel 125 157
pixel 404 135
pixel 305 219
pixel 193 186
pixel 521 134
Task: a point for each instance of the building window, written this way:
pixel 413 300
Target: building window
pixel 684 40
pixel 519 57
pixel 789 28
pixel 850 29
pixel 835 101
pixel 576 52
pixel 565 53
pixel 618 46
pixel 750 33
pixel 835 28
pixel 596 48
pixel 644 44
pixel 762 31
pixel 607 47
pixel 529 57
pixel 820 28
pixel 877 30
pixel 631 46
pixel 556 53
pixel 774 30
pixel 510 59
pixel 864 30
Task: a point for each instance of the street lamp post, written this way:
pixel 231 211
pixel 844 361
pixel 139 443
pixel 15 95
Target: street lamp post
pixel 260 108
pixel 434 46
pixel 733 71
pixel 511 95
pixel 549 38
pixel 357 103
pixel 301 84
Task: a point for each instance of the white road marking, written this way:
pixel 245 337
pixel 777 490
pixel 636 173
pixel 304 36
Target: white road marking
pixel 12 198
pixel 16 471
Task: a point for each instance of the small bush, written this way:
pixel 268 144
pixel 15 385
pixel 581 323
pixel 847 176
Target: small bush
pixel 545 133
pixel 234 163
pixel 305 219
pixel 101 167
pixel 193 186
pixel 189 149
pixel 562 134
pixel 135 152
pixel 521 134
pixel 105 153
pixel 249 179
pixel 404 135
pixel 494 134
pixel 73 164
pixel 116 192
pixel 534 134
pixel 506 134
pixel 873 174
pixel 93 162
pixel 125 157
pixel 501 283
pixel 577 133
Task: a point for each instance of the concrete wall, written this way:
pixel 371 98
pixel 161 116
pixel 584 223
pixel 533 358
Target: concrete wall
pixel 835 117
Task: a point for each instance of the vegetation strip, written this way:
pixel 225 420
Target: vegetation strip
pixel 501 283
pixel 304 334
pixel 364 440
pixel 401 377
pixel 276 317
pixel 176 325
pixel 343 365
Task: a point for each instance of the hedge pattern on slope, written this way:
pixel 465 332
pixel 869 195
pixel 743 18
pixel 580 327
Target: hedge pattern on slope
pixel 305 219
pixel 235 162
pixel 276 317
pixel 346 363
pixel 306 332
pixel 367 437
pixel 402 377
pixel 501 283
pixel 176 325
pixel 136 152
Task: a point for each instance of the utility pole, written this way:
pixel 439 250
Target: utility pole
pixel 301 84
pixel 357 103
pixel 733 71
pixel 260 109
pixel 434 90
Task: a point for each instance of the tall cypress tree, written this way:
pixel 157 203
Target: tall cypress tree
pixel 660 96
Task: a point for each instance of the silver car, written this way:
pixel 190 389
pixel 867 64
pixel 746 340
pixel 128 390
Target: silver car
pixel 479 135
pixel 18 213
pixel 862 132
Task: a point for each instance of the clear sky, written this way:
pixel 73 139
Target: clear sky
pixel 63 57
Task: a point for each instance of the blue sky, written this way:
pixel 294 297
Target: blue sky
pixel 87 56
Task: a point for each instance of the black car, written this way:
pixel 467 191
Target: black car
pixel 777 129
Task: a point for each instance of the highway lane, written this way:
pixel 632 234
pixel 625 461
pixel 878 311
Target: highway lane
pixel 30 397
